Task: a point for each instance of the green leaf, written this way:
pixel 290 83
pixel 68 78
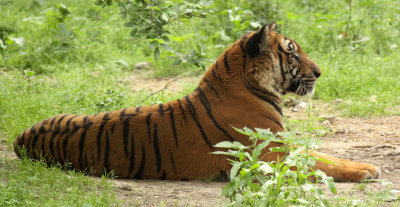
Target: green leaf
pixel 122 62
pixel 98 2
pixel 221 153
pixel 328 181
pixel 264 132
pixel 235 168
pixel 266 168
pixel 228 189
pixel 157 53
pixel 243 172
pixel 277 149
pixel 386 196
pixel 29 73
pixel 224 144
pixel 164 17
pixel 257 151
pixel 129 24
pixel 166 47
pixel 153 44
pixel 133 32
pixel 326 161
pixel 254 166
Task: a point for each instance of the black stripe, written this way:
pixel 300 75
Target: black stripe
pixel 54 137
pixel 281 49
pixel 54 134
pixel 75 128
pixel 21 140
pixel 148 123
pixel 192 111
pixel 132 157
pixel 65 142
pixel 210 85
pixel 142 163
pixel 207 106
pixel 32 132
pixel 67 129
pixel 281 66
pixel 36 138
pixel 163 176
pixel 43 153
pixel 122 114
pixel 42 130
pixel 51 146
pixel 33 129
pixel 112 129
pixel 226 62
pixel 276 122
pixel 57 128
pixel 86 125
pixel 277 108
pixel 182 110
pixel 107 153
pixel 160 109
pixel 260 91
pixel 214 72
pixel 156 148
pixel 85 162
pixel 125 135
pixel 172 161
pixel 138 108
pixel 100 134
pixel 172 118
pixel 52 121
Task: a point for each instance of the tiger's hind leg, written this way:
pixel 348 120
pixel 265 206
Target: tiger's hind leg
pixel 346 170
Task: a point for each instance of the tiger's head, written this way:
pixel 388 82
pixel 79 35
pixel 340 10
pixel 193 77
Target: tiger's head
pixel 277 64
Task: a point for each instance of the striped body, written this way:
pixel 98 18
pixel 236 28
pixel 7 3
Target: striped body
pixel 174 140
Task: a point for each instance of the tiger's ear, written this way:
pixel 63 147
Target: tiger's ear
pixel 259 41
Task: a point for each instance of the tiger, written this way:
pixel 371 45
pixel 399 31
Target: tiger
pixel 242 88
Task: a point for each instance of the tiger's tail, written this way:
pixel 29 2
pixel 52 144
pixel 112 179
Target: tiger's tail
pixel 42 141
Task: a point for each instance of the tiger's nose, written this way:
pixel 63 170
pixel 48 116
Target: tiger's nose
pixel 316 70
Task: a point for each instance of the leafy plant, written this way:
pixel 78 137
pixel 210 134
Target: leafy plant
pixel 155 20
pixel 254 182
pixel 286 181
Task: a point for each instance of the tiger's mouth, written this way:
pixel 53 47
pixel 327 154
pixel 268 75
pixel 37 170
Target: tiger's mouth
pixel 303 86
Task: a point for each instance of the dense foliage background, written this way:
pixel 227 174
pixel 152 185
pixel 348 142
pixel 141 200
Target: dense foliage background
pixel 354 42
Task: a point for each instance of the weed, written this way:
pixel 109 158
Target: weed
pixel 254 182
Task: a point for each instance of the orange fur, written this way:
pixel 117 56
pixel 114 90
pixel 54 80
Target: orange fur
pixel 174 140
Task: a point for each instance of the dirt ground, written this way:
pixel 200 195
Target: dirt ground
pixel 372 140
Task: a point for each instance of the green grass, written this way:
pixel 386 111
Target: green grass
pixel 30 183
pixel 81 62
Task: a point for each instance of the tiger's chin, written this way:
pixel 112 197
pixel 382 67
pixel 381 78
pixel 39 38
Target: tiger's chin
pixel 302 91
pixel 302 88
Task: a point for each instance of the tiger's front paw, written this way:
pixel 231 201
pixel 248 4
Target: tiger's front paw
pixel 370 172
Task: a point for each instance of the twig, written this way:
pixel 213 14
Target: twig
pixel 170 82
